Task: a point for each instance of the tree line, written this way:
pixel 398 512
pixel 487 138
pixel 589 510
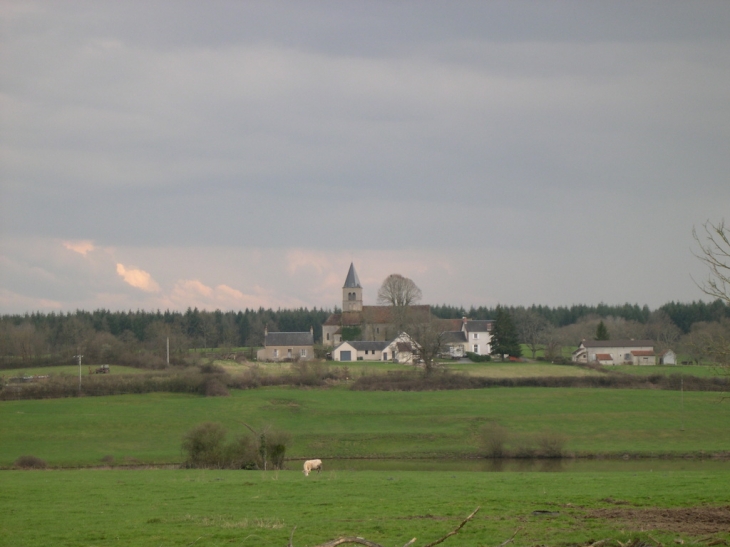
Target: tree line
pixel 125 336
pixel 683 315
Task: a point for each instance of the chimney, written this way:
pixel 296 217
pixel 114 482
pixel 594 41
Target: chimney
pixel 311 330
pixel 266 329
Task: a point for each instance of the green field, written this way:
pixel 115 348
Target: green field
pixel 218 508
pixel 701 371
pixel 341 423
pixel 69 370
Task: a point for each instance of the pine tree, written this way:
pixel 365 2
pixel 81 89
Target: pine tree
pixel 602 332
pixel 504 335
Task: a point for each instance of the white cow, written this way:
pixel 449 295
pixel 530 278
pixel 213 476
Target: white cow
pixel 312 465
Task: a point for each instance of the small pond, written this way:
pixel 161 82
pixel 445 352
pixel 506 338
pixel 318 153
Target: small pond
pixel 566 465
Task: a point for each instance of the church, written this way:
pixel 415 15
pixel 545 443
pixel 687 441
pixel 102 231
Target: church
pixel 367 323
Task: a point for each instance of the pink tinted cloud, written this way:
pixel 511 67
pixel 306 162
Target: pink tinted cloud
pixel 81 247
pixel 137 278
pixel 194 293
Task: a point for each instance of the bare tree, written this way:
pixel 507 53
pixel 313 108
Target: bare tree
pixel 715 254
pixel 428 341
pixel 530 327
pixel 399 291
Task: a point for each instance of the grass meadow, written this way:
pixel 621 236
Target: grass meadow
pixel 205 508
pixel 339 423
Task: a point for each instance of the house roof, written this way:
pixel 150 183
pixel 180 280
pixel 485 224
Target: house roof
pixel 478 325
pixel 288 339
pixel 453 337
pixel 352 281
pixel 618 343
pixel 604 357
pixel 642 353
pixel 376 315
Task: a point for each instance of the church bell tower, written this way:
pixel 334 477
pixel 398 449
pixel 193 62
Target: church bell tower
pixel 352 292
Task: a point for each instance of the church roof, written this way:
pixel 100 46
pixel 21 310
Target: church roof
pixel 352 281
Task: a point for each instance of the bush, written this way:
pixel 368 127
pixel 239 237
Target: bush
pixel 493 438
pixel 476 358
pixel 204 445
pixel 211 368
pixel 215 388
pixel 276 443
pixel 551 444
pixel 30 462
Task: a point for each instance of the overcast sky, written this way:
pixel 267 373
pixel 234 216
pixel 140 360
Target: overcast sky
pixel 231 154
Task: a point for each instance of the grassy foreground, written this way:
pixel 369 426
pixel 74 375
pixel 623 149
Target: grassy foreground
pixel 336 422
pixel 219 508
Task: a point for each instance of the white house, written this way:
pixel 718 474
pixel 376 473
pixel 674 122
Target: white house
pixel 615 352
pixel 401 349
pixel 668 357
pixel 475 336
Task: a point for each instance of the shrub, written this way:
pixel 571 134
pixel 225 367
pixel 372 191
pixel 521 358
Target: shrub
pixel 276 443
pixel 524 447
pixel 493 438
pixel 241 453
pixel 215 388
pixel 30 462
pixel 551 444
pixel 476 358
pixel 211 368
pixel 204 445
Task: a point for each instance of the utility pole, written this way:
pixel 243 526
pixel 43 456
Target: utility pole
pixel 168 351
pixel 79 358
pixel 681 387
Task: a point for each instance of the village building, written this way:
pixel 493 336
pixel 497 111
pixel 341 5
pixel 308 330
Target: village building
pixel 401 349
pixel 615 352
pixel 474 336
pixel 368 323
pixel 287 346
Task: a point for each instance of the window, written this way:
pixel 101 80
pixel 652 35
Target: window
pixel 288 353
pixel 276 353
pixel 328 336
pixel 377 329
pixel 476 348
pixel 351 296
pixel 476 335
pixel 303 352
pixel 385 356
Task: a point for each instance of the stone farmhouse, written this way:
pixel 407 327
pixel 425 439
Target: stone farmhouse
pixel 287 346
pixel 615 352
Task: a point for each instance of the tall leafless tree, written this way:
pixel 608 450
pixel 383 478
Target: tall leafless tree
pixel 400 293
pixel 397 290
pixel 715 254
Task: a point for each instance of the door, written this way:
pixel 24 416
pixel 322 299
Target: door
pixel 345 356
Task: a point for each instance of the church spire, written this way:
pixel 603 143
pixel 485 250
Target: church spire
pixel 352 281
pixel 352 291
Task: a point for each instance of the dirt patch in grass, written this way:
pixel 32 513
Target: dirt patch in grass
pixel 685 520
